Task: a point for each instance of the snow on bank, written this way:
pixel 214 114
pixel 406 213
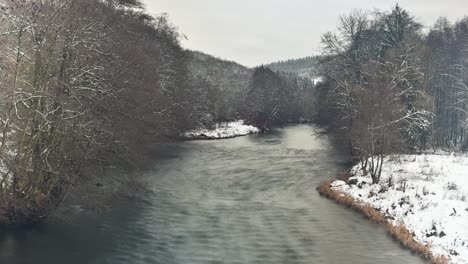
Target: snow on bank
pixel 318 80
pixel 428 193
pixel 222 130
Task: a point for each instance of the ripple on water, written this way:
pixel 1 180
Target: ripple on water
pixel 243 200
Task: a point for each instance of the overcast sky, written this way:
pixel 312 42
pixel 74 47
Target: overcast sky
pixel 254 32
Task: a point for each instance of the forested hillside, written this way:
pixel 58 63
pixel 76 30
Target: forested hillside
pixel 391 88
pixel 278 98
pixel 307 67
pixel 229 91
pixel 223 85
pixel 93 84
pixel 227 75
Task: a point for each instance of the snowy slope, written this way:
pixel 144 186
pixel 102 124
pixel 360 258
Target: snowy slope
pixel 428 193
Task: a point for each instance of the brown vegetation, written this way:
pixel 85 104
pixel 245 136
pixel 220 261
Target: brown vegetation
pixel 399 232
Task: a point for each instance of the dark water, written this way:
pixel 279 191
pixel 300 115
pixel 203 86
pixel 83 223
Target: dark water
pixel 243 200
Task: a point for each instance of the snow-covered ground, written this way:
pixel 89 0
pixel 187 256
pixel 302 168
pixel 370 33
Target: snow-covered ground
pixel 222 130
pixel 428 193
pixel 8 152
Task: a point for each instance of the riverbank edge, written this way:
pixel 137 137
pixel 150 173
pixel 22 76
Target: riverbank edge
pixel 399 232
pixel 222 130
pixel 206 138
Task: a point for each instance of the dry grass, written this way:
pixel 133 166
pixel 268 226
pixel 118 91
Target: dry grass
pixel 399 232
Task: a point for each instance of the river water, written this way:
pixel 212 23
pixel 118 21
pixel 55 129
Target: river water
pixel 244 200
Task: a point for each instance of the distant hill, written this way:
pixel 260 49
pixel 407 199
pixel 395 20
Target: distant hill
pixel 306 67
pixel 227 76
pixel 224 87
pixel 223 83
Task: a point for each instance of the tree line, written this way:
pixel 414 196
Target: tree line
pixel 260 96
pixel 100 82
pixel 305 67
pixel 390 87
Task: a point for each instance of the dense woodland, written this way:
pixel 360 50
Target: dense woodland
pixel 222 84
pixel 96 83
pixel 307 67
pixel 392 87
pixel 261 96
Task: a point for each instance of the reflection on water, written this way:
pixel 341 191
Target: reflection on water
pixel 243 200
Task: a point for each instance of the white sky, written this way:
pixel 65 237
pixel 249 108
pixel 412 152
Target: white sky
pixel 254 32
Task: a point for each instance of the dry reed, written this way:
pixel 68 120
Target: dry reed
pixel 399 231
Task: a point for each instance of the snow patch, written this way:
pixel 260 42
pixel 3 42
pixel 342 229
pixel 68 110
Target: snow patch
pixel 223 130
pixel 7 152
pixel 318 80
pixel 338 183
pixel 428 193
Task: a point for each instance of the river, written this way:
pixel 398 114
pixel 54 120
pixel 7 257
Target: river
pixel 243 200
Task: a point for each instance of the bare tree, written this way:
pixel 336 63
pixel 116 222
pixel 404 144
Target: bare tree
pixel 82 83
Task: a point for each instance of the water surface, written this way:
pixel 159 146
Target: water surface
pixel 244 200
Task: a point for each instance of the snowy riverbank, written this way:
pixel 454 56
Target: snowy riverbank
pixel 427 193
pixel 222 130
